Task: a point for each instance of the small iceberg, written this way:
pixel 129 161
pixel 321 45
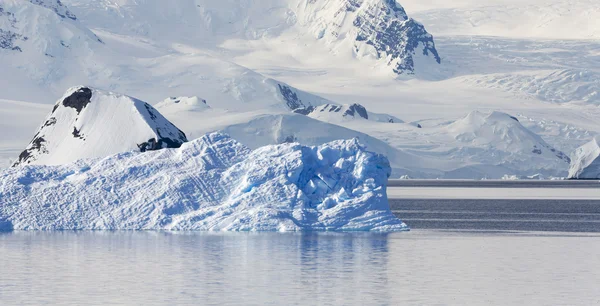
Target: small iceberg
pixel 585 164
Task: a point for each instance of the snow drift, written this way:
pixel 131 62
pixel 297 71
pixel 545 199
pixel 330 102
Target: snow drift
pixel 212 183
pixel 586 161
pixel 88 123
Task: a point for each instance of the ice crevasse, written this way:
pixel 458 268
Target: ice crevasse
pixel 213 183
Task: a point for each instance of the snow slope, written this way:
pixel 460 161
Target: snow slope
pixel 556 19
pixel 212 183
pixel 262 128
pixel 45 49
pixel 586 161
pixel 88 123
pixel 503 132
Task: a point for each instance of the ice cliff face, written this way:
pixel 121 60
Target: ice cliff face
pixel 586 162
pixel 212 183
pixel 88 123
pixel 375 28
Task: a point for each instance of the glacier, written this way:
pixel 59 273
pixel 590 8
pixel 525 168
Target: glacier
pixel 213 183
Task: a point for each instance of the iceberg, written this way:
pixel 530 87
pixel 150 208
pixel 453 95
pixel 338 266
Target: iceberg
pixel 586 162
pixel 213 183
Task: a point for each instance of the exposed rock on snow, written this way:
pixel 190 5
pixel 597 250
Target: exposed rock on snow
pixel 333 113
pixel 586 161
pixel 295 99
pixel 380 28
pixel 8 37
pixel 88 123
pixel 57 7
pixel 212 183
pixel 193 104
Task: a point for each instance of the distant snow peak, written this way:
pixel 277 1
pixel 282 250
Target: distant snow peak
pixel 380 28
pixel 504 132
pixel 89 123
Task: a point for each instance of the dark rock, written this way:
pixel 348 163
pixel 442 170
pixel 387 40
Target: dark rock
pixel 290 97
pixel 57 6
pixel 304 111
pixel 394 36
pixel 151 111
pixel 37 144
pixel 357 109
pixel 77 134
pixel 79 99
pixel 50 122
pixel 163 143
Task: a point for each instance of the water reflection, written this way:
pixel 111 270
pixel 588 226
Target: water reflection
pixel 158 267
pixel 416 268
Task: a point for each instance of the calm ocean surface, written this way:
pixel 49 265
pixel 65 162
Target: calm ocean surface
pixel 422 267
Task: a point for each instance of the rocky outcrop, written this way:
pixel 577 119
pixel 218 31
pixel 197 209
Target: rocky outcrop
pixel 380 28
pixel 89 123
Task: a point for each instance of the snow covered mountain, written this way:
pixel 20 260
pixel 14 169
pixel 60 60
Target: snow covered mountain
pixel 252 60
pixel 500 140
pixel 503 132
pixel 212 183
pixel 379 30
pixel 41 41
pixel 89 123
pixel 47 47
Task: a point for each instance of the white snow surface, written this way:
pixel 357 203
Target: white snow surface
pixel 212 183
pixel 586 161
pixel 88 123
